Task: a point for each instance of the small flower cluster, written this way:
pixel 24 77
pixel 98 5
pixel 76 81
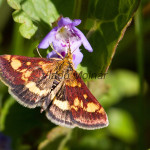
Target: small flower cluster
pixel 65 36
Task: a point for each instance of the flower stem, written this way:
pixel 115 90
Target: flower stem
pixel 77 8
pixel 140 67
pixel 17 41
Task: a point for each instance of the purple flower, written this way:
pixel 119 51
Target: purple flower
pixel 66 35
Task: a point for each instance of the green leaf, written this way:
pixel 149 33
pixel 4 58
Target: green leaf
pixel 9 102
pixel 15 4
pixel 27 29
pixel 65 7
pixel 56 138
pixel 106 28
pixel 96 139
pixel 118 84
pixel 3 88
pixel 1 2
pixel 33 14
pixel 122 125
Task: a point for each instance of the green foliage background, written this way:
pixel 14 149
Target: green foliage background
pixel 124 93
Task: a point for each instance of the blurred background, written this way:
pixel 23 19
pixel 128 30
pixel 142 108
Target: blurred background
pixel 124 93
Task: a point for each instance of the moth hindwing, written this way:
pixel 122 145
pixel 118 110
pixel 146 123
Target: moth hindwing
pixel 56 87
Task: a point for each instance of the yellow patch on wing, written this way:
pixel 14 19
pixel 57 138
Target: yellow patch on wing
pixel 7 57
pixel 77 104
pixel 34 89
pixel 81 104
pixel 91 107
pixel 26 75
pixel 79 84
pixel 76 101
pixel 73 84
pixel 74 107
pixel 28 63
pixel 41 63
pixel 101 111
pixel 85 96
pixel 15 63
pixel 46 67
pixel 23 70
pixel 63 105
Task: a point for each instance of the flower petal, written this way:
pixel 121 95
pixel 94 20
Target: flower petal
pixel 76 22
pixel 75 45
pixel 49 38
pixel 77 58
pixel 58 46
pixel 52 54
pixel 64 22
pixel 84 40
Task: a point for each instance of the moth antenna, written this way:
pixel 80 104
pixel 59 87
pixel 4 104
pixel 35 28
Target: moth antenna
pixel 69 50
pixel 38 52
pixel 74 51
pixel 55 51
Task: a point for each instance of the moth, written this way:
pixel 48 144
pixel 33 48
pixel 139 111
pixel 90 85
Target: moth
pixel 55 86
